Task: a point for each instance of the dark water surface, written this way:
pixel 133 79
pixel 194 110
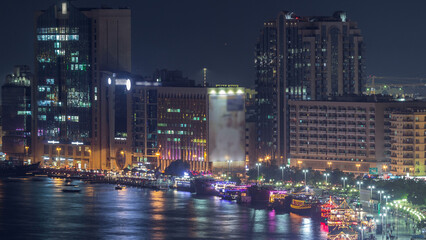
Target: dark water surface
pixel 40 210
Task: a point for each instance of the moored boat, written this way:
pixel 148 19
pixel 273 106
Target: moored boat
pixel 204 186
pixel 279 200
pixel 301 206
pixel 7 171
pixel 73 189
pixel 326 209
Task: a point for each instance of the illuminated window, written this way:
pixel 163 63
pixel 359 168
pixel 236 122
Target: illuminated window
pixel 60 52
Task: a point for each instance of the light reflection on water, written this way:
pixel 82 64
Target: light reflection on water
pixel 40 210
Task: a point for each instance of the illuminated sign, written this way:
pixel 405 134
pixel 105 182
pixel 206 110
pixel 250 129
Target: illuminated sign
pixel 52 141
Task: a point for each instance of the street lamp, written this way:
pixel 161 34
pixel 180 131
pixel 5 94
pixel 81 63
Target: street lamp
pixel 300 163
pixel 382 215
pixel 386 198
pixel 26 153
pixel 305 171
pixel 329 164
pixel 282 172
pixel 326 176
pixel 229 163
pixel 344 181
pixel 58 149
pixel 371 191
pixel 380 192
pixel 359 184
pixel 157 154
pixel 362 231
pixel 357 166
pixel 385 167
pixel 258 166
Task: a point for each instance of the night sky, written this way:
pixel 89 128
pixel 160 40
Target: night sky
pixel 221 34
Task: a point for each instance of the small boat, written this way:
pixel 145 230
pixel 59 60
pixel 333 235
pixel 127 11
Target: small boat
pixel 118 187
pixel 68 184
pixel 73 189
pixel 39 177
pixel 14 179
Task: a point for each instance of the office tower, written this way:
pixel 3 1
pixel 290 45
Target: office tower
pixel 314 57
pixel 408 142
pixel 72 48
pixel 182 126
pixel 16 117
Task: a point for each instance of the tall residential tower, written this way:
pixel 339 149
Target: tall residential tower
pixel 303 58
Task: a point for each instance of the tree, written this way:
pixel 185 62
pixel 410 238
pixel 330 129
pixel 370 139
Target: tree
pixel 177 168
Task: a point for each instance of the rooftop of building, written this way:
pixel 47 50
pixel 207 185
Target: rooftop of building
pixel 338 16
pixel 357 98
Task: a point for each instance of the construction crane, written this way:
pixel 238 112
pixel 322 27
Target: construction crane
pixel 373 78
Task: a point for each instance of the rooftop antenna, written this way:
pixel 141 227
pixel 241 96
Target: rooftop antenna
pixel 204 77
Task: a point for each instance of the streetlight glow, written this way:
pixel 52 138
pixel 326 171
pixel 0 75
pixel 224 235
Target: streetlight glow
pixel 305 171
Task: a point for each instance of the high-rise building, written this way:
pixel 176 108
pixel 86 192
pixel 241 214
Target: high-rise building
pixel 304 58
pixel 16 120
pixel 266 61
pixel 182 126
pixel 351 134
pixel 408 142
pixel 72 48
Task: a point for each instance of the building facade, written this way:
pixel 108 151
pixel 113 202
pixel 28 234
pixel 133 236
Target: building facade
pixel 72 48
pixel 408 142
pixel 145 124
pixel 266 61
pixel 352 135
pixel 16 120
pixel 182 131
pixel 305 58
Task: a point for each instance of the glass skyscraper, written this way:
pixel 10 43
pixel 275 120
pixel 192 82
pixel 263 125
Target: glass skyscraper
pixel 73 47
pixel 64 84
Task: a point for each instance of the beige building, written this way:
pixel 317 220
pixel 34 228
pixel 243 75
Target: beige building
pixel 351 134
pixel 408 142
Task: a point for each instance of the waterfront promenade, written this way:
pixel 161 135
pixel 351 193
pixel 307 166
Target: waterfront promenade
pixel 396 225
